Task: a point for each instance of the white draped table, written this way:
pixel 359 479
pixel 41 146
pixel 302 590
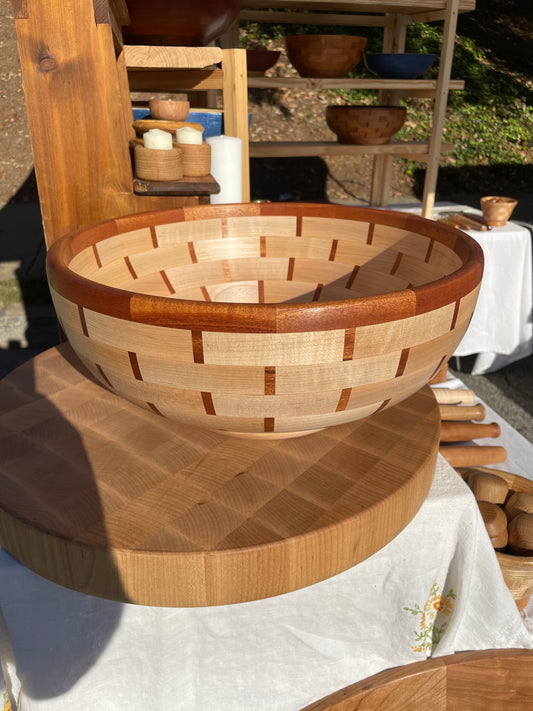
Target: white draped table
pixel 501 330
pixel 435 589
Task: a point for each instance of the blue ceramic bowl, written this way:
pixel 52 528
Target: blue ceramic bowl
pixel 212 120
pixel 399 66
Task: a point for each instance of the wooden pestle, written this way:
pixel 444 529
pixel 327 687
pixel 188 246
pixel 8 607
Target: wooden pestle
pixel 462 413
pixel 472 455
pixel 464 432
pixel 447 396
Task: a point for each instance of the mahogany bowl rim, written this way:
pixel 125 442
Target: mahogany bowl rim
pixel 251 317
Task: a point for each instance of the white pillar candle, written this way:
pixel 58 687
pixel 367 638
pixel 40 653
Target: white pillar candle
pixel 188 134
pixel 226 168
pixel 158 139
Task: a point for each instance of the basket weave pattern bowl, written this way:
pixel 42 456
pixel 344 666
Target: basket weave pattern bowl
pixel 324 56
pixel 365 125
pixel 517 570
pixel 265 319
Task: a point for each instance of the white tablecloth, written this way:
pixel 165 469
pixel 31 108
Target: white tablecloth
pixel 501 330
pixel 434 590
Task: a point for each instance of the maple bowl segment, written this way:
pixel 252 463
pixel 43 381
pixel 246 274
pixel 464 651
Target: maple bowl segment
pixel 269 319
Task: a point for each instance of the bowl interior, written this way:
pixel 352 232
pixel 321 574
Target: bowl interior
pixel 270 259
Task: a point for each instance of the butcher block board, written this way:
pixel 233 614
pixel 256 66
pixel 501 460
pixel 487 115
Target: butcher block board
pixel 105 498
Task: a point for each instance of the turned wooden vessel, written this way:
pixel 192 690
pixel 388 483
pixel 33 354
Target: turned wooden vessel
pixel 324 56
pixel 365 125
pixel 490 680
pixel 265 319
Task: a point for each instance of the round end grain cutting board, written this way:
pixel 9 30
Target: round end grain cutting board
pixel 105 498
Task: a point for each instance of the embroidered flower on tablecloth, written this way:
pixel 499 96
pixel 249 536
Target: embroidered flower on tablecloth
pixel 431 626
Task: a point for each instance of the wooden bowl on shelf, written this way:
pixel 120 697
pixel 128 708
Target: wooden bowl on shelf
pixel 258 61
pixel 169 109
pixel 325 56
pixel 365 125
pixel 265 320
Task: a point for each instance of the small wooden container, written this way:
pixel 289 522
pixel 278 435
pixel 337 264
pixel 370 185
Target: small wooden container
pixel 169 109
pixel 196 159
pixel 497 210
pixel 154 164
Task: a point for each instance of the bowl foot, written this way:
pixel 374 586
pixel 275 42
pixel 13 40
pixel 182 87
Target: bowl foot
pixel 269 435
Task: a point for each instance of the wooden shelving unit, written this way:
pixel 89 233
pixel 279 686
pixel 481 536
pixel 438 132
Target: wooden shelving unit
pixel 393 16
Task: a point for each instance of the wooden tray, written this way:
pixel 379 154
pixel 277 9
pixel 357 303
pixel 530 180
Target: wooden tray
pixel 105 498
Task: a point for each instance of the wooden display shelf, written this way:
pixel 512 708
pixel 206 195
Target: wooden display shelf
pixel 112 500
pixel 409 86
pixel 202 187
pixel 271 149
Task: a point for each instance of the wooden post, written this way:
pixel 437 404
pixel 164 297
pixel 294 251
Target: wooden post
pixel 439 110
pixel 235 98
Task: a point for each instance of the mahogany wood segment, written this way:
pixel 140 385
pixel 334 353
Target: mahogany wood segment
pixel 114 501
pixel 490 680
pixel 355 308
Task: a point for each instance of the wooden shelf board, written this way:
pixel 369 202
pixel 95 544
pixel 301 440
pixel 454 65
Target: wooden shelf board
pixel 205 185
pixel 266 149
pixel 316 84
pixel 355 6
pixel 112 500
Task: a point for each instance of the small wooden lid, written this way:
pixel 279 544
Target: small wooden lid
pixel 521 534
pixel 518 502
pixel 488 487
pixel 494 518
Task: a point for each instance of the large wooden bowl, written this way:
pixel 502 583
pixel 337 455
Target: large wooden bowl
pixel 324 56
pixel 365 125
pixel 265 319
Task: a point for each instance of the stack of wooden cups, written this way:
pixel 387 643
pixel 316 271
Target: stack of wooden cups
pixel 174 149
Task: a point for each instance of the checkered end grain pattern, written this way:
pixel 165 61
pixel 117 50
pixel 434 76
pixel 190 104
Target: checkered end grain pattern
pixel 101 497
pixel 266 322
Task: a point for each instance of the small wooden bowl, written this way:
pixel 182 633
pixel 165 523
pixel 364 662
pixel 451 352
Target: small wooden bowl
pixel 365 125
pixel 158 165
pixel 517 570
pixel 169 109
pixel 265 320
pixel 325 56
pixel 497 210
pixel 258 61
pixel 196 159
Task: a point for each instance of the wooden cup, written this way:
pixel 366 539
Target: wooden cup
pixel 196 159
pixel 158 165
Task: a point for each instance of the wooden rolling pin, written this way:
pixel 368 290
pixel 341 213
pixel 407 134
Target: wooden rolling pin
pixel 462 413
pixel 466 431
pixel 472 455
pixel 446 396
